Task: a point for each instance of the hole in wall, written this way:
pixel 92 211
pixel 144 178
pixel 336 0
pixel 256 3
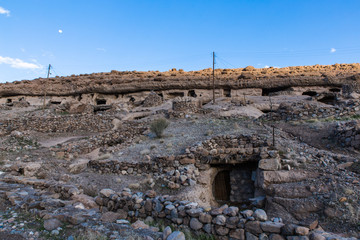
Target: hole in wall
pixel 227 92
pixel 310 93
pixel 100 101
pixel 328 99
pixel 192 93
pixel 335 90
pixel 272 91
pixel 176 94
pixel 55 102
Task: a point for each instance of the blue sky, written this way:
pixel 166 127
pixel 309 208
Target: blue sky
pixel 86 36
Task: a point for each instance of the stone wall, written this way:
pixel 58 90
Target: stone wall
pixel 152 100
pixel 110 139
pixel 305 111
pixel 224 222
pixel 185 104
pixel 60 123
pixel 348 134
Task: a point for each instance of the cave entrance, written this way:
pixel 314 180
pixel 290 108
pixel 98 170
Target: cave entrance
pixel 192 93
pixel 100 101
pixel 328 99
pixel 273 91
pixel 176 94
pixel 55 102
pixel 310 93
pixel 235 184
pixel 227 92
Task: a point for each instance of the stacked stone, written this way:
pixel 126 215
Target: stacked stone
pixel 174 174
pixel 152 100
pixel 224 222
pixel 20 104
pixel 125 134
pixel 117 167
pixel 305 111
pixel 57 123
pixel 348 134
pixel 185 104
pixel 4 107
pixel 231 149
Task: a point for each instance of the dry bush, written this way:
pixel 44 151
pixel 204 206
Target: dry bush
pixel 158 126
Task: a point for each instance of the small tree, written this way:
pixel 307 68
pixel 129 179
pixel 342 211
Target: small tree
pixel 158 126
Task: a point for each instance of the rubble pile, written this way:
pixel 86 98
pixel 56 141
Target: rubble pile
pixel 17 141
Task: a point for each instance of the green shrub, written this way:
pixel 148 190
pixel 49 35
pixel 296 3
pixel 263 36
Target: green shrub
pixel 158 126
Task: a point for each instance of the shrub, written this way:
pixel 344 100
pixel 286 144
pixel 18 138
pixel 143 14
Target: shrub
pixel 158 126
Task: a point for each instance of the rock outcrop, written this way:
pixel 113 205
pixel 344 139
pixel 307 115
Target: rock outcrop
pixel 117 82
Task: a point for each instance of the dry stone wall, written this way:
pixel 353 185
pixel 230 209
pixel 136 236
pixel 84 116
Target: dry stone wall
pixel 348 134
pixel 60 123
pixel 305 111
pixel 224 222
pixel 110 139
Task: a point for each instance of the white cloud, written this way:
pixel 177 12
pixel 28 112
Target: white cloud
pixel 332 50
pixel 266 66
pixel 101 49
pixel 4 11
pixel 60 31
pixel 18 63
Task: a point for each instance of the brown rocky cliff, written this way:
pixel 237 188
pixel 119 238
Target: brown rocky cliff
pixel 117 82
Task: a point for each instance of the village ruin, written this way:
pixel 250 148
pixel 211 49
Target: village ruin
pixel 275 157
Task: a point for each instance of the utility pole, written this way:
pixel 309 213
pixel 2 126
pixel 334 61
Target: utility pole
pixel 213 77
pixel 48 74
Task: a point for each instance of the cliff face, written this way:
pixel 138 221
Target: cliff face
pixel 116 82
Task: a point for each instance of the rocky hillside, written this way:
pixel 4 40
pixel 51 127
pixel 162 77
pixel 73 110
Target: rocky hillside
pixel 117 82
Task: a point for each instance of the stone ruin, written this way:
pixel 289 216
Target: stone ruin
pixel 232 186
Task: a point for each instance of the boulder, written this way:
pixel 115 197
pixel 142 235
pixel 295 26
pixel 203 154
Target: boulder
pixel 139 224
pixel 260 215
pixel 176 235
pixel 78 166
pixel 270 164
pixel 195 224
pixel 51 224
